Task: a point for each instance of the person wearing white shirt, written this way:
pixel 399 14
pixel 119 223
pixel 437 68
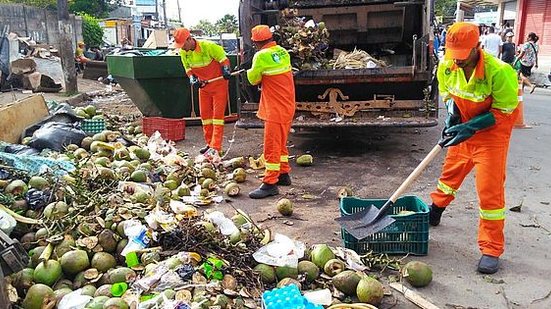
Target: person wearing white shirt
pixel 492 43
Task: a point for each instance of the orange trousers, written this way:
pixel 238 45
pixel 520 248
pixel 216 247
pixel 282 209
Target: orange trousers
pixel 486 152
pixel 275 151
pixel 212 105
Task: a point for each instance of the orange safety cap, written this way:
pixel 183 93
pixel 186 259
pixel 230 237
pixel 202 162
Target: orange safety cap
pixel 462 37
pixel 261 33
pixel 180 37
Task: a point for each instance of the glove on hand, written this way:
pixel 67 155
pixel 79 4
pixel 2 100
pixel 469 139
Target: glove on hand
pixel 196 82
pixel 226 72
pixel 463 131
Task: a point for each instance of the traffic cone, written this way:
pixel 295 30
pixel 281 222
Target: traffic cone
pixel 519 124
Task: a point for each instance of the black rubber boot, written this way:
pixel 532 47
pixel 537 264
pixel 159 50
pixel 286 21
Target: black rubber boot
pixel 263 191
pixel 435 214
pixel 204 149
pixel 284 180
pixel 488 264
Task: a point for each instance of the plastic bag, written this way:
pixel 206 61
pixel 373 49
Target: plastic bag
pixel 36 165
pixel 282 251
pixel 59 113
pixel 37 199
pixel 74 300
pixel 226 225
pixel 159 148
pixel 7 222
pixel 20 149
pixel 57 135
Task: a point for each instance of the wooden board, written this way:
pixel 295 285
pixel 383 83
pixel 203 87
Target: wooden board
pixel 16 116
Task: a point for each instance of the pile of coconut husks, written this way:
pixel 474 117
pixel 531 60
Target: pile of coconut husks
pixel 128 228
pixel 308 45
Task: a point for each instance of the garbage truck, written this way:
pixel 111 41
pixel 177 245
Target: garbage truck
pixel 403 93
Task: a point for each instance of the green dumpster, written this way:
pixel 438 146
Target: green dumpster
pixel 159 87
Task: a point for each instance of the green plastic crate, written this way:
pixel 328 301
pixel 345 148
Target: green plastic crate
pixel 92 126
pixel 409 234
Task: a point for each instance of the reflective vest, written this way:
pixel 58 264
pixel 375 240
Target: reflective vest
pixel 272 67
pixel 492 87
pixel 205 61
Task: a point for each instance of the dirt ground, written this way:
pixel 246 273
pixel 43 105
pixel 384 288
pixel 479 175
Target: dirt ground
pixel 374 162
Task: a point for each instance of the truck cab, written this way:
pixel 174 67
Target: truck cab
pixel 401 94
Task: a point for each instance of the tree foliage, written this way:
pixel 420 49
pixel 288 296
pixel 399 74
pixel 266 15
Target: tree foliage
pixel 92 32
pixel 445 7
pixel 227 24
pixel 97 8
pixel 206 27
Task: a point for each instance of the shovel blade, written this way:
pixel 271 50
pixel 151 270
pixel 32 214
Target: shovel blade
pixel 364 223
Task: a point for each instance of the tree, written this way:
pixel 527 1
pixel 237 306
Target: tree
pixel 50 4
pixel 227 24
pixel 66 47
pixel 96 8
pixel 445 7
pixel 206 27
pixel 92 32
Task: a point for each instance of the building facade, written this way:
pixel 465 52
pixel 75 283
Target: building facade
pixel 534 16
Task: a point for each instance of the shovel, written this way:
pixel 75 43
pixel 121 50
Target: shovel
pixel 372 219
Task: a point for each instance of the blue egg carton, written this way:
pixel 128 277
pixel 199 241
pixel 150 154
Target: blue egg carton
pixel 287 297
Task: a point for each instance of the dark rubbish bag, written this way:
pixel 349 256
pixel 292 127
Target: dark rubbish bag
pixel 56 136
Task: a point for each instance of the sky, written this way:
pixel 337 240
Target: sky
pixel 195 10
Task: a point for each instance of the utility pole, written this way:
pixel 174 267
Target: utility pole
pixel 157 10
pixel 179 12
pixel 164 13
pixel 66 47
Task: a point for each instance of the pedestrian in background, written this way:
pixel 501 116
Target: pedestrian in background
pixel 508 49
pixel 492 42
pixel 528 58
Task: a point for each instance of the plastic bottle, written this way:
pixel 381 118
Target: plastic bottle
pixel 137 237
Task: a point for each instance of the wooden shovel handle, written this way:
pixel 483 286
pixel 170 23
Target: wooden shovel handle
pixel 418 170
pixel 222 77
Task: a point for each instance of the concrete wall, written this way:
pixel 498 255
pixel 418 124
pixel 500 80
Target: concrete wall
pixel 39 24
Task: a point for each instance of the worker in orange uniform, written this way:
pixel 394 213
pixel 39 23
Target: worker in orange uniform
pixel 205 60
pixel 271 67
pixel 481 93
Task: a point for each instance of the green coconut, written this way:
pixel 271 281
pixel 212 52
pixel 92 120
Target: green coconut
pixel 104 290
pixel 183 190
pixel 346 282
pixel 47 272
pixel 74 262
pixel 289 281
pixel 24 279
pixel 334 267
pixel 369 291
pixel 86 142
pixel 138 176
pixel 35 254
pixel 63 283
pixel 309 269
pixel 170 184
pixel 38 295
pixel 38 182
pixel 305 160
pixel 115 303
pixel 66 245
pixel 150 257
pixel 142 153
pixel 418 274
pixel 16 187
pixel 58 294
pixel 321 254
pixel 89 290
pixel 232 189
pixel 97 302
pixel 103 261
pixel 90 110
pixel 239 219
pixel 56 210
pixel 239 175
pixel 286 272
pixel 123 274
pixel 285 207
pixel 108 240
pixel 267 273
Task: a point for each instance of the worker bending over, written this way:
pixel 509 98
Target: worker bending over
pixel 205 60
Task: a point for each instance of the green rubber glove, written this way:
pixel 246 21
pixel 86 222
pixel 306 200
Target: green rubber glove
pixel 463 131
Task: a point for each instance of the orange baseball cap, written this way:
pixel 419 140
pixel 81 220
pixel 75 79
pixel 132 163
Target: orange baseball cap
pixel 261 33
pixel 461 38
pixel 180 37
